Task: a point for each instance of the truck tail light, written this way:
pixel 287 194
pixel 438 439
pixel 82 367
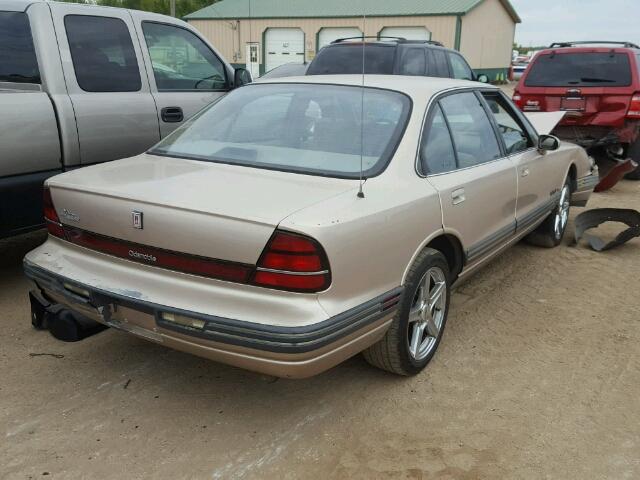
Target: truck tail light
pixel 293 262
pixel 50 216
pixel 634 108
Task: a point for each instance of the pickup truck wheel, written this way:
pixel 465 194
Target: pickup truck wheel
pixel 634 153
pixel 550 232
pixel 416 331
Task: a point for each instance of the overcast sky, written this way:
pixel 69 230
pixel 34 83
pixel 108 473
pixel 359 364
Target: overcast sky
pixel 547 21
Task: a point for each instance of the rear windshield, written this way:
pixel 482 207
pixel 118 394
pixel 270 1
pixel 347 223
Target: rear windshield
pixel 308 128
pixel 580 69
pixel 347 59
pixel 17 56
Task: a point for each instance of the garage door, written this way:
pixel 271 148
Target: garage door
pixel 328 35
pixel 410 33
pixel 283 45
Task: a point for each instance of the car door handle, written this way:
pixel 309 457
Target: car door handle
pixel 458 196
pixel 524 172
pixel 171 115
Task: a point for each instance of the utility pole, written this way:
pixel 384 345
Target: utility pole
pixel 173 7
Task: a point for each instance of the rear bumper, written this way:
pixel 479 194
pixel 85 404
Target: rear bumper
pixel 294 352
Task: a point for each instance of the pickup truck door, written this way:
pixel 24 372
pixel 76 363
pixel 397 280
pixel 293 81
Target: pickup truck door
pixel 103 67
pixel 462 158
pixel 184 71
pixel 540 176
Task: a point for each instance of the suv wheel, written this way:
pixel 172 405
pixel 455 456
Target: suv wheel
pixel 550 232
pixel 416 331
pixel 634 153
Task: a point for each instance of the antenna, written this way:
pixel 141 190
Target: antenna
pixel 364 26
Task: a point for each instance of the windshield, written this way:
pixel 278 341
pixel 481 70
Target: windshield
pixel 580 69
pixel 347 59
pixel 307 128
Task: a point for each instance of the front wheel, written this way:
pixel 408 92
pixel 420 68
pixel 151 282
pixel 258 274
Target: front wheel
pixel 550 232
pixel 416 331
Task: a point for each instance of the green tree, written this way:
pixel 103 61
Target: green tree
pixel 183 7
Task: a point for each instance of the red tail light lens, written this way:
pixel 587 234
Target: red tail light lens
pixel 634 108
pixel 50 216
pixel 294 263
pixel 517 99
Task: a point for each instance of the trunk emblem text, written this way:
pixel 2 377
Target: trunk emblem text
pixel 142 256
pixel 137 219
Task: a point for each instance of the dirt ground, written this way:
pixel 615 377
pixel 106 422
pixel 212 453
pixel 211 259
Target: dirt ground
pixel 538 377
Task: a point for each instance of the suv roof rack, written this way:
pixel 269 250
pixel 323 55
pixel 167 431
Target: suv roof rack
pixel 573 44
pixel 397 39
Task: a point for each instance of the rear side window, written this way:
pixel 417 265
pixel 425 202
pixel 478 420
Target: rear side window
pixel 347 59
pixel 436 152
pixel 17 55
pixel 102 52
pixel 460 69
pixel 413 62
pixel 440 63
pixel 181 61
pixel 580 69
pixel 473 135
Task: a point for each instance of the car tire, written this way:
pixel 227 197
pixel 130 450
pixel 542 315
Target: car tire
pixel 421 318
pixel 549 233
pixel 634 153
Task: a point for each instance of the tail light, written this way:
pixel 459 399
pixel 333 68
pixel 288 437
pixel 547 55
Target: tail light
pixel 294 263
pixel 634 108
pixel 50 216
pixel 517 99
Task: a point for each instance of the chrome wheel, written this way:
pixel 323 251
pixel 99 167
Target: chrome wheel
pixel 562 216
pixel 427 313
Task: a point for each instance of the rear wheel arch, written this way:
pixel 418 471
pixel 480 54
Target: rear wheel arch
pixel 450 246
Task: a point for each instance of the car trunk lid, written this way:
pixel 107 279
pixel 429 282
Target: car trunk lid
pixel 197 208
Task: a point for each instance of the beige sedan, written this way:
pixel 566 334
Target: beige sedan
pixel 284 229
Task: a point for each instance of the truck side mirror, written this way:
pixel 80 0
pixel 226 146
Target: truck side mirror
pixel 482 78
pixel 241 77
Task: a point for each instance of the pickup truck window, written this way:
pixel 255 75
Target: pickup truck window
pixel 18 61
pixel 473 135
pixel 181 61
pixel 103 55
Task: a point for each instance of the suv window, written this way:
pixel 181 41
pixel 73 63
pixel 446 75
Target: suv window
pixel 181 61
pixel 587 69
pixel 459 68
pixel 512 131
pixel 18 61
pixel 102 52
pixel 347 59
pixel 413 62
pixel 440 63
pixel 436 151
pixel 473 134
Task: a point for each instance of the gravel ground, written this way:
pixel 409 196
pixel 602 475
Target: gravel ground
pixel 538 377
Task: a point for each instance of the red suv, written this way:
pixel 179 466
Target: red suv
pixel 598 85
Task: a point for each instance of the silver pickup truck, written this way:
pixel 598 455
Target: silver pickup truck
pixel 82 84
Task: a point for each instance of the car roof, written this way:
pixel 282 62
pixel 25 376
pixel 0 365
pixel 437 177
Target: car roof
pixel 415 87
pixel 593 49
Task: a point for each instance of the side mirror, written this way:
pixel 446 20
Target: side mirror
pixel 241 77
pixel 482 78
pixel 548 143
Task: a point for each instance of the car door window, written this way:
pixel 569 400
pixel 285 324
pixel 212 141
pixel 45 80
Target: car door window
pixel 440 62
pixel 102 52
pixel 17 56
pixel 473 134
pixel 181 61
pixel 437 154
pixel 459 68
pixel 413 62
pixel 512 131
